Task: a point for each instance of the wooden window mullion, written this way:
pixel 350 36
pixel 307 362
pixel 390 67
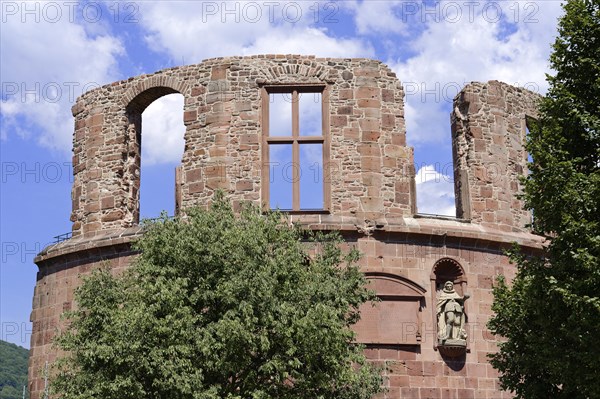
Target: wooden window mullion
pixel 295 151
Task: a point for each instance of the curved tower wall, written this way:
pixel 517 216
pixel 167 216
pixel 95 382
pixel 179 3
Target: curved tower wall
pixel 369 195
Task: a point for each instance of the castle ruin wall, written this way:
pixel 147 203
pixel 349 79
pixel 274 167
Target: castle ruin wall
pixel 369 197
pixel 489 125
pixel 370 170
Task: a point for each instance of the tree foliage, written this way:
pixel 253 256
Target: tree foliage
pixel 13 370
pixel 221 306
pixel 551 313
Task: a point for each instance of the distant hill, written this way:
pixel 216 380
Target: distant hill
pixel 13 370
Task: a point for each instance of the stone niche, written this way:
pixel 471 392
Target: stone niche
pixel 448 288
pixel 396 318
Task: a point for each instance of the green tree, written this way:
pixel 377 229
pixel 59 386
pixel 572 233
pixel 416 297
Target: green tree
pixel 550 315
pixel 13 370
pixel 220 305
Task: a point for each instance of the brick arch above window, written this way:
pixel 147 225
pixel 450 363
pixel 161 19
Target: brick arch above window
pixel 138 97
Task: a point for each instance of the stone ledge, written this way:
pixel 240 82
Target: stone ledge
pixel 85 243
pixel 433 231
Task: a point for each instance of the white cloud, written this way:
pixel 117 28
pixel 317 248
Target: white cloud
pixel 307 41
pixel 460 49
pixel 435 192
pixel 465 48
pixel 193 31
pixel 47 62
pixel 376 17
pixel 163 130
pixel 66 55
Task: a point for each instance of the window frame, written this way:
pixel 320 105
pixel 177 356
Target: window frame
pixel 295 140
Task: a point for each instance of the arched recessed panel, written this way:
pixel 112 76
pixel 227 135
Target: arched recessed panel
pixel 392 285
pixel 396 318
pixel 447 269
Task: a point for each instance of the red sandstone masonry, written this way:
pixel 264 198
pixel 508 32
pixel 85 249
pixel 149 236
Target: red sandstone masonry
pixel 407 248
pixel 488 133
pixel 223 124
pixel 372 199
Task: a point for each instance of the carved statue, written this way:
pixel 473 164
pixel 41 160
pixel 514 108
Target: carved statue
pixel 451 316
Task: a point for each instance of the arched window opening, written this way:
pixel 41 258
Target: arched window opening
pixel 427 131
pixel 162 149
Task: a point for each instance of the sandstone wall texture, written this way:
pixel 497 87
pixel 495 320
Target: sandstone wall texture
pixel 370 168
pixel 488 132
pixel 371 199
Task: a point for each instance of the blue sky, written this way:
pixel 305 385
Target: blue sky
pixel 51 52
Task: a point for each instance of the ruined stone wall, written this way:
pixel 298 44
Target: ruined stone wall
pixel 488 133
pixel 372 200
pixel 370 169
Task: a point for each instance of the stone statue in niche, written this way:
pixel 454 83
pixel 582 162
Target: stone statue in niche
pixel 451 316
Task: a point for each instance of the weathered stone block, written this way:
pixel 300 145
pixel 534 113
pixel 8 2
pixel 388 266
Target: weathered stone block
pixel 190 116
pixel 368 103
pixel 369 150
pixel 107 202
pixel 370 136
pixel 219 72
pixel 339 120
pixel 371 93
pixel 370 124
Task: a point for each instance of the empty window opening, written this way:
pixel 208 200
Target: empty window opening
pixel 162 150
pixel 530 123
pixel 434 181
pixel 294 148
pixel 426 114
